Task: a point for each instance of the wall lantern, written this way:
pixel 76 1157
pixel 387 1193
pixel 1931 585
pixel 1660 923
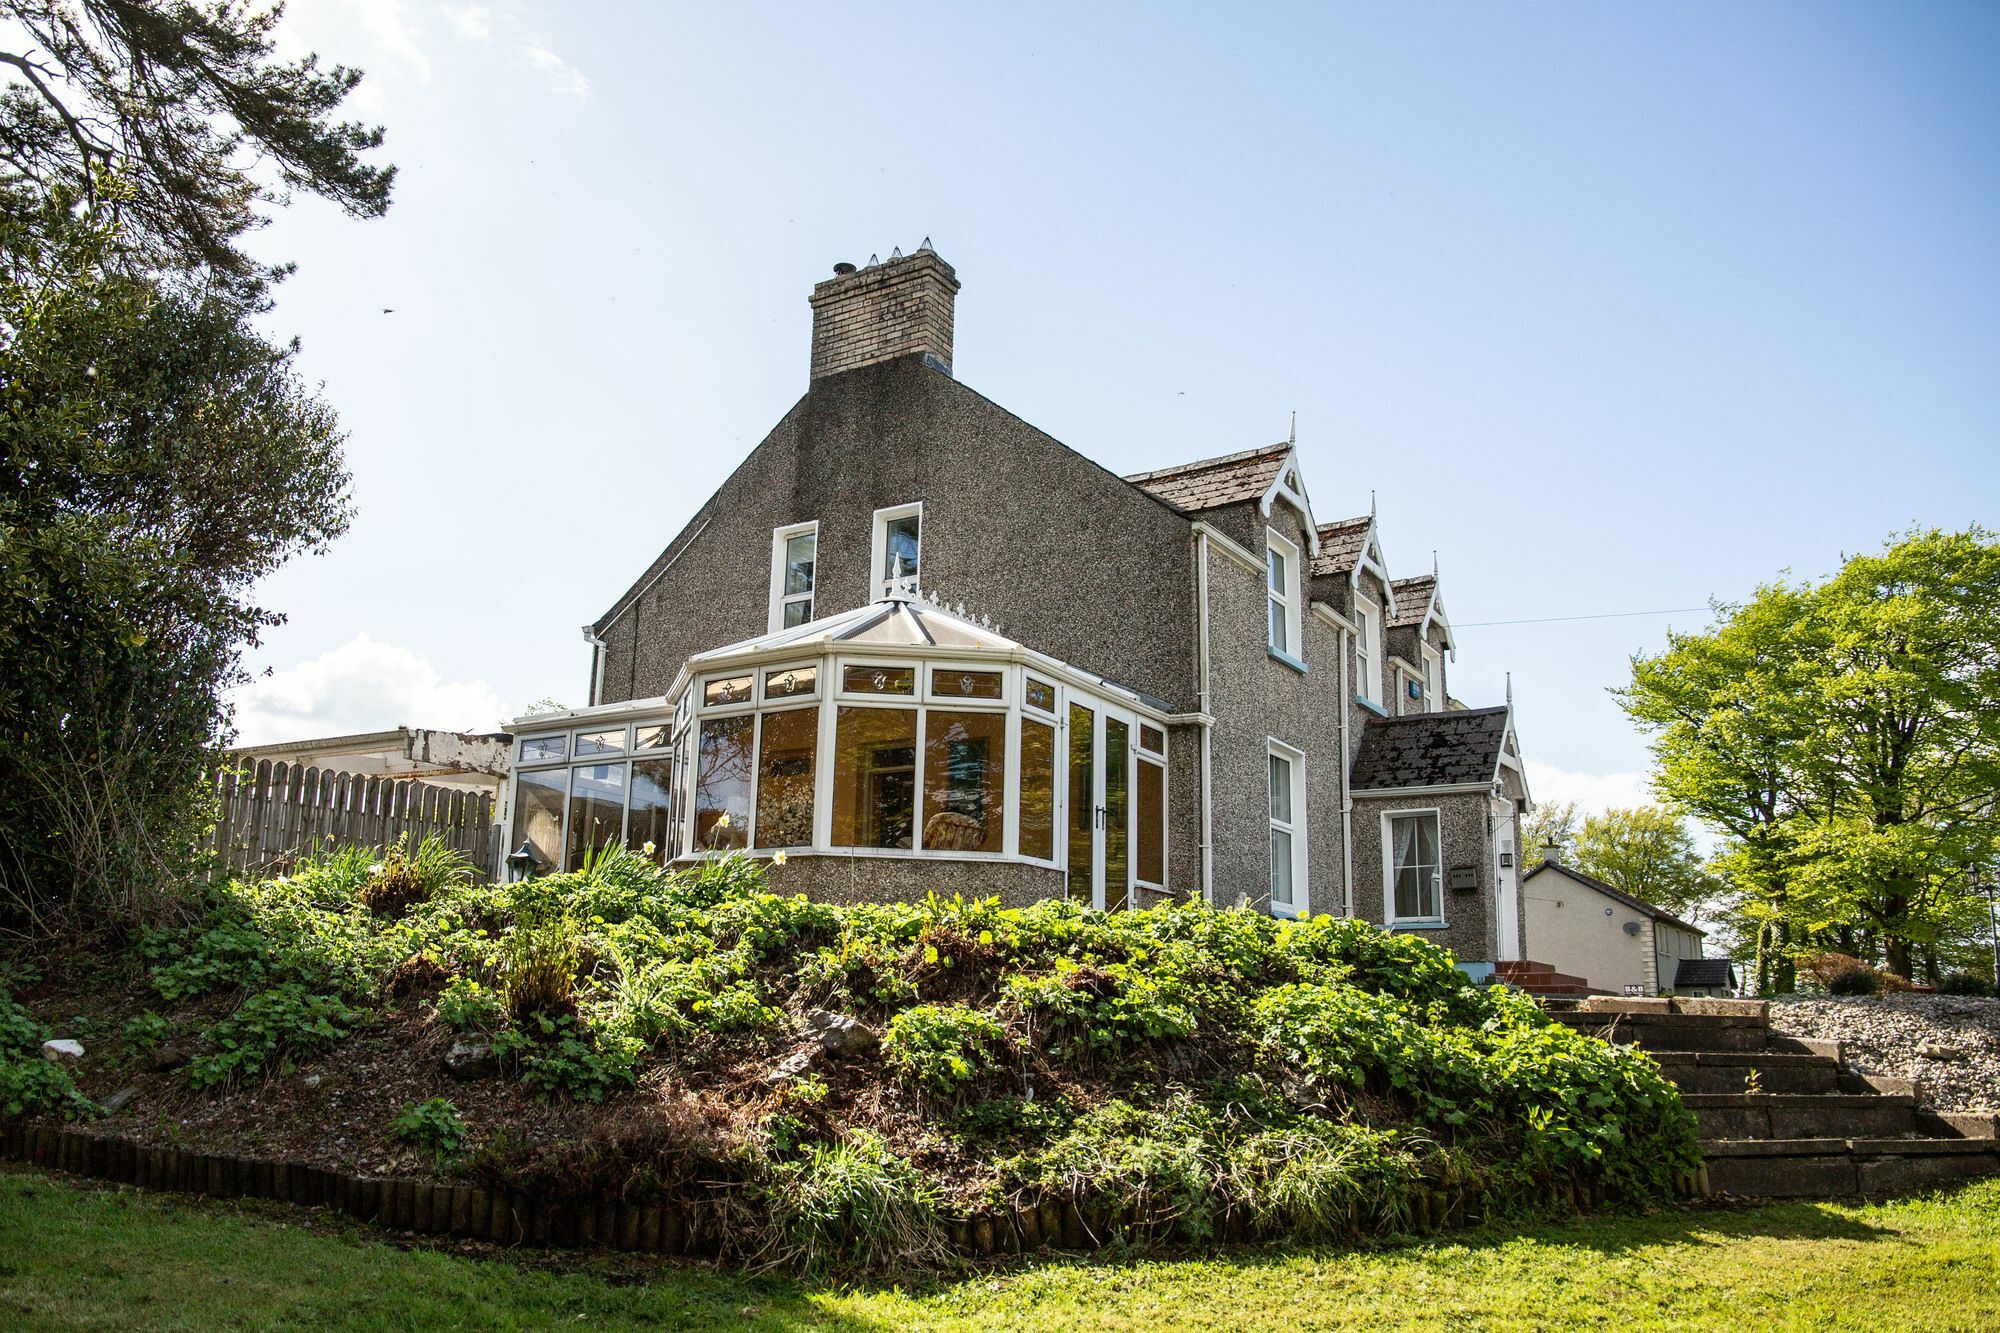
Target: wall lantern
pixel 522 860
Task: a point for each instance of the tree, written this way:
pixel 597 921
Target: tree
pixel 183 102
pixel 1549 822
pixel 156 458
pixel 1845 738
pixel 1648 853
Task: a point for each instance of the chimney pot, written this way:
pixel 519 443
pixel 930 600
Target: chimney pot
pixel 882 312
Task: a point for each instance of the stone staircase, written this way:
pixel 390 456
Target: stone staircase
pixel 1783 1117
pixel 1541 979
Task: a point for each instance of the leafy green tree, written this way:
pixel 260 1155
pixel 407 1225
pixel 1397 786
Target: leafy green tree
pixel 1549 822
pixel 183 102
pixel 1648 853
pixel 1845 738
pixel 156 458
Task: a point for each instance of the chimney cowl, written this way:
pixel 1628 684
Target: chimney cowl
pixel 842 269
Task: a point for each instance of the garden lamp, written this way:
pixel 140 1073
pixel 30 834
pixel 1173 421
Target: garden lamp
pixel 522 860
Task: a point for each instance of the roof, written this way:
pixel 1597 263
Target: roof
pixel 1705 972
pixel 1413 600
pixel 894 623
pixel 1210 483
pixel 1451 749
pixel 1616 894
pixel 1341 545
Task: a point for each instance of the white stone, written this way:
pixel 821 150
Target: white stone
pixel 63 1048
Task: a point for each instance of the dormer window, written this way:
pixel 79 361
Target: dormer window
pixel 1282 591
pixel 1368 663
pixel 794 566
pixel 897 547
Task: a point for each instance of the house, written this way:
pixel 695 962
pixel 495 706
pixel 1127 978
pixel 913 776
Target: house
pixel 1620 944
pixel 916 644
pixel 462 761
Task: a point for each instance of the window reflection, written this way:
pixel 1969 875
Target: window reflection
pixel 879 680
pixel 1150 844
pixel 722 784
pixel 596 809
pixel 956 684
pixel 899 553
pixel 1038 790
pixel 1117 813
pixel 965 780
pixel 1082 803
pixel 785 778
pixel 874 777
pixel 538 814
pixel 651 820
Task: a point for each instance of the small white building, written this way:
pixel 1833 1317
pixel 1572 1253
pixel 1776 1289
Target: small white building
pixel 1586 928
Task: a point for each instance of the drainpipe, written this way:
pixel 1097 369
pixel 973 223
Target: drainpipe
pixel 1207 730
pixel 596 663
pixel 1346 781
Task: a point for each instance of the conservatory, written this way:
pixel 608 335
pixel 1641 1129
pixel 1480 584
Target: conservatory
pixel 895 731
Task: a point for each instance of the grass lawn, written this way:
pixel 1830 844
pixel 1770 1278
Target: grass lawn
pixel 76 1255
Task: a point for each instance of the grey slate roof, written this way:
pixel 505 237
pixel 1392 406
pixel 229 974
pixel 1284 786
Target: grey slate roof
pixel 1705 972
pixel 1450 749
pixel 1413 598
pixel 1340 545
pixel 1609 891
pixel 1210 483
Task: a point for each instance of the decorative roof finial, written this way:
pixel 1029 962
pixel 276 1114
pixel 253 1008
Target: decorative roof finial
pixel 1434 562
pixel 1293 438
pixel 1510 689
pixel 1371 504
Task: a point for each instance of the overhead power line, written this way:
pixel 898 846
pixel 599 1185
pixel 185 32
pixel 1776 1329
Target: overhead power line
pixel 1603 615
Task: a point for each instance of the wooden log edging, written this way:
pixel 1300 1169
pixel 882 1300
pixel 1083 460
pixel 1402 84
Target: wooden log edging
pixel 508 1217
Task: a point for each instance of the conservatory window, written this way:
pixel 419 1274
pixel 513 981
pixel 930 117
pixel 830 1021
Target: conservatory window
pixel 544 749
pixel 1416 867
pixel 539 796
pixel 785 778
pixel 897 547
pixel 875 777
pixel 1039 695
pixel 726 690
pixel 722 783
pixel 879 680
pixel 794 562
pixel 953 683
pixel 1038 789
pixel 791 682
pixel 652 807
pixel 1150 843
pixel 596 810
pixel 965 780
pixel 600 742
pixel 652 738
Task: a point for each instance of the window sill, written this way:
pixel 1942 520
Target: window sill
pixel 1278 655
pixel 1417 925
pixel 1369 704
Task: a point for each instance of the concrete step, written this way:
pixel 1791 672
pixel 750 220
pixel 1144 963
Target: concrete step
pixel 1655 1031
pixel 1734 1071
pixel 1737 1115
pixel 1820 1168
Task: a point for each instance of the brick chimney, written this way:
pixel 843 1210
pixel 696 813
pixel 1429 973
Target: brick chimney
pixel 900 308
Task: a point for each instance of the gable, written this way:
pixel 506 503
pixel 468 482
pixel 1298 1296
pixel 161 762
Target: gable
pixel 1451 749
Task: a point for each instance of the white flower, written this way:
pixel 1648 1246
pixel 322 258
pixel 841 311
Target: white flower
pixel 648 849
pixel 722 820
pixel 778 858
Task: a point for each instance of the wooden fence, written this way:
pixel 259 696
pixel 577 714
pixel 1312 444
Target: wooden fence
pixel 271 814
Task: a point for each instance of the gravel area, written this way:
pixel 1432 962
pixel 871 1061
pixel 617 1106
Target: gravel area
pixel 1950 1045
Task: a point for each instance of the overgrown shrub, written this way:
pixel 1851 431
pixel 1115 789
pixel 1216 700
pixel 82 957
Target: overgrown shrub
pixel 1965 983
pixel 943 1048
pixel 1857 980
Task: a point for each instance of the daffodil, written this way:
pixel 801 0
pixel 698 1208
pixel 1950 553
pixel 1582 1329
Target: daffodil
pixel 778 858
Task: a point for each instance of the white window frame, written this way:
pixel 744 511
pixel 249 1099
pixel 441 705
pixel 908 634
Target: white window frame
pixel 1368 665
pixel 878 552
pixel 1433 679
pixel 780 539
pixel 1389 818
pixel 1284 599
pixel 1295 759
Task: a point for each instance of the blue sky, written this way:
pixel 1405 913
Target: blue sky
pixel 1615 308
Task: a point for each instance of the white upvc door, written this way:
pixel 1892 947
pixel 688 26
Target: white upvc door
pixel 1098 804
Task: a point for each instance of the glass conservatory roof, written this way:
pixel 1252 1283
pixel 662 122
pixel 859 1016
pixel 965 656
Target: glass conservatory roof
pixel 896 623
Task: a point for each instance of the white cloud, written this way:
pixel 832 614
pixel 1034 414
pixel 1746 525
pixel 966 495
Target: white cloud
pixel 474 22
pixel 564 77
pixel 1593 793
pixel 390 27
pixel 363 685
